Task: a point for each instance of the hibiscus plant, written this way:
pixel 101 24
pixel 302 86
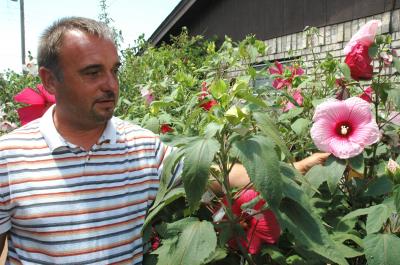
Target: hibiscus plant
pixel 342 212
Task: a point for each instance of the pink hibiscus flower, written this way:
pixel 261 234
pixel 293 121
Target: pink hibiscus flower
pixel 364 36
pixel 39 100
pixel 259 227
pixel 345 127
pixel 147 94
pixel 297 97
pixel 281 80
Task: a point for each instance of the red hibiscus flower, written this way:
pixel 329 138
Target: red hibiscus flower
pixel 367 94
pixel 359 63
pixel 206 104
pixel 209 104
pixel 39 100
pixel 165 128
pixel 155 242
pixel 260 227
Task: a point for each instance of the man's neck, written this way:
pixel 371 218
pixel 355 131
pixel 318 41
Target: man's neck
pixel 83 136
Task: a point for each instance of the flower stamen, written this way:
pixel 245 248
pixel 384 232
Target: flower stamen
pixel 344 129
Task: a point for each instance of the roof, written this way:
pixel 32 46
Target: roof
pixel 170 21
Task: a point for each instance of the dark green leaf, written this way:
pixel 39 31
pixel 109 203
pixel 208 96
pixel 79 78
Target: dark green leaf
pixel 198 157
pixel 170 197
pixel 335 168
pixel 377 217
pixel 300 126
pixel 373 50
pixel 313 179
pixel 258 156
pixel 308 229
pixel 382 249
pixel 189 241
pixel 357 163
pixel 379 186
pixel 267 126
pixel 396 195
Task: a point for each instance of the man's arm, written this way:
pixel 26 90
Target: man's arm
pixel 239 178
pixel 2 242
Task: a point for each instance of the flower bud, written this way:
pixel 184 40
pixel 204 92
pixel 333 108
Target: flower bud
pixel 393 170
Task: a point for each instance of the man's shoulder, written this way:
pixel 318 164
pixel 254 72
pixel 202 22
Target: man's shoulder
pixel 27 133
pixel 133 130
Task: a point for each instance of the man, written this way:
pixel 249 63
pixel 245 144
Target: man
pixel 75 185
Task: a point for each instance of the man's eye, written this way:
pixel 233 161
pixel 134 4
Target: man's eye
pixel 93 73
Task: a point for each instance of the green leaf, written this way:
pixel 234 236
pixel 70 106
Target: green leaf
pixel 396 196
pixel 218 88
pixel 300 126
pixel 373 50
pixel 169 198
pixel 218 254
pixel 335 169
pixel 292 113
pixel 356 213
pixel 382 249
pixel 275 254
pixel 394 95
pixel 198 157
pixel 344 68
pixel 258 156
pixel 379 186
pixel 212 129
pixel 357 163
pixel 377 217
pixel 396 64
pixel 267 126
pixel 314 178
pixel 189 241
pixel 307 228
pixel 152 124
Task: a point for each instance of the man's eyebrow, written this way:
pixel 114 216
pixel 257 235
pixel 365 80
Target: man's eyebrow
pixel 91 67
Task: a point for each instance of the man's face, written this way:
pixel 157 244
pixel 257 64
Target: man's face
pixel 88 91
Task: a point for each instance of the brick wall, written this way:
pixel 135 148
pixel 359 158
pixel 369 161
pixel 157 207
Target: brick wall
pixel 331 39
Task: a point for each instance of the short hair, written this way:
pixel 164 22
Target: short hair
pixel 52 39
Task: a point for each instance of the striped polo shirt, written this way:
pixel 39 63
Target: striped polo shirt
pixel 61 204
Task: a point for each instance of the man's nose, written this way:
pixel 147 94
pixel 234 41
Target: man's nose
pixel 111 82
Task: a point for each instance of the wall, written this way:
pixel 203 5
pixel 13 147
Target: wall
pixel 332 39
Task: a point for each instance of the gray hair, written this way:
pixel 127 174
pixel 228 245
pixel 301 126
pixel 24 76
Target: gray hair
pixel 52 39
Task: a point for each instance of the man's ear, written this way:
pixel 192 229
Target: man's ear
pixel 49 80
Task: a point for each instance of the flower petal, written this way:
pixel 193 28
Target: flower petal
pixel 366 135
pixel 47 96
pixel 365 35
pixel 343 148
pixel 29 96
pixel 30 113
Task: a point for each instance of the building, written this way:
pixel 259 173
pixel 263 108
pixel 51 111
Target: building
pixel 281 22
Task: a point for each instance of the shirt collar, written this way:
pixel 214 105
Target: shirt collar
pixel 54 140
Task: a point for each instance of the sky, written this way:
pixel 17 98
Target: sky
pixel 132 17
